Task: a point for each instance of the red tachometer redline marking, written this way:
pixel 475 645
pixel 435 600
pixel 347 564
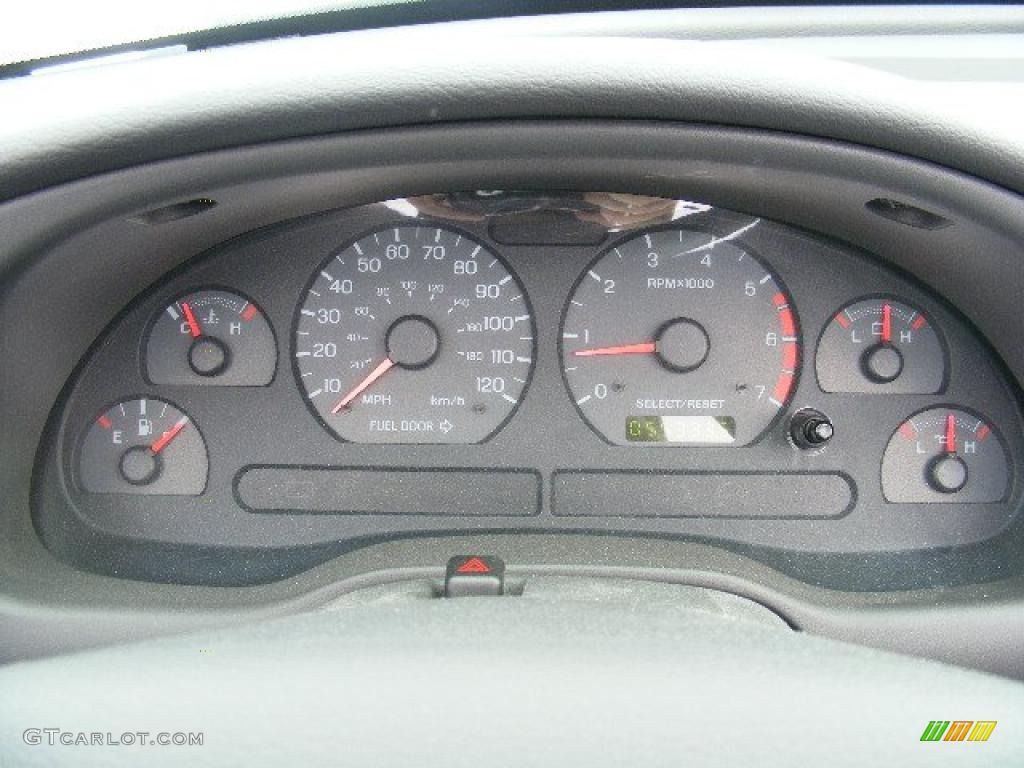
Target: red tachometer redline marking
pixel 782 388
pixel 779 299
pixel 170 434
pixel 789 356
pixel 951 433
pixel 375 374
pixel 104 422
pixel 643 348
pixel 886 323
pixel 249 313
pixel 190 318
pixel 788 322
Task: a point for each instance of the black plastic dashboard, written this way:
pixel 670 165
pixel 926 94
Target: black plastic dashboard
pixel 509 410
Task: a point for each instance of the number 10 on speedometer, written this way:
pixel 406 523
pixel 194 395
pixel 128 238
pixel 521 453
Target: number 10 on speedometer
pixel 414 334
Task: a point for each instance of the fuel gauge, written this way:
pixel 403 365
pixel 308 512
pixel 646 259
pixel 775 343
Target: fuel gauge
pixel 881 345
pixel 945 455
pixel 143 446
pixel 211 337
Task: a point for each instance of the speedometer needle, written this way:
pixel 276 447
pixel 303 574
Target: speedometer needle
pixel 644 348
pixel 375 374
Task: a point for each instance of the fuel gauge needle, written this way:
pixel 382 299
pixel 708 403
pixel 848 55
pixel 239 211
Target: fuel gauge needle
pixel 643 348
pixel 190 318
pixel 951 433
pixel 386 365
pixel 165 439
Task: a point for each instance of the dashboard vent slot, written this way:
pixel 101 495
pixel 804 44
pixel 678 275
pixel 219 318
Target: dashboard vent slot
pixel 176 211
pixel 903 213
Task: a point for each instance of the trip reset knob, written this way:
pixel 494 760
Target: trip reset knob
pixel 810 429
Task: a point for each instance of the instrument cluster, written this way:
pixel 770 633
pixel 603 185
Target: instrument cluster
pixel 577 360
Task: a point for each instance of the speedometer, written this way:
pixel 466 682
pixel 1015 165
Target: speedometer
pixel 414 334
pixel 678 337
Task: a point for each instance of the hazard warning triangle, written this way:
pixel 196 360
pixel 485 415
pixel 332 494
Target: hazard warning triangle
pixel 473 565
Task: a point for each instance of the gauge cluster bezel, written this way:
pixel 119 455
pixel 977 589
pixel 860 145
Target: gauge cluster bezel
pixel 272 425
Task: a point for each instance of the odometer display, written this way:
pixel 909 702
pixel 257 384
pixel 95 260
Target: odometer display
pixel 414 334
pixel 679 337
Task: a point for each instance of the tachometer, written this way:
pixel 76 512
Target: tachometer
pixel 680 337
pixel 414 334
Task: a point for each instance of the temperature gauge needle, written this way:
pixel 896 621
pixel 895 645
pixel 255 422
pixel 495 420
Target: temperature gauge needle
pixel 886 323
pixel 193 324
pixel 375 374
pixel 644 348
pixel 951 433
pixel 165 439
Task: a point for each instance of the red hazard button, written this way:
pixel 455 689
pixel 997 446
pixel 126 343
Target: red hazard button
pixel 474 575
pixel 473 565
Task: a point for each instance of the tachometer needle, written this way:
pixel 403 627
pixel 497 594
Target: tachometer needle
pixel 193 324
pixel 951 433
pixel 644 348
pixel 886 323
pixel 375 374
pixel 165 439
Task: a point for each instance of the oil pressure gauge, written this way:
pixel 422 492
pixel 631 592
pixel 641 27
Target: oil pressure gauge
pixel 945 455
pixel 211 337
pixel 881 345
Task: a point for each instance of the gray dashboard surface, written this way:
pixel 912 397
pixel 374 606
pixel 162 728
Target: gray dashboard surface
pixel 572 672
pixel 82 122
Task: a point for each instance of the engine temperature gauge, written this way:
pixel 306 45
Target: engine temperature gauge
pixel 211 337
pixel 945 455
pixel 881 345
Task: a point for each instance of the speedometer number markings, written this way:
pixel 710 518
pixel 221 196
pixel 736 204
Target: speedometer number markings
pixel 406 337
